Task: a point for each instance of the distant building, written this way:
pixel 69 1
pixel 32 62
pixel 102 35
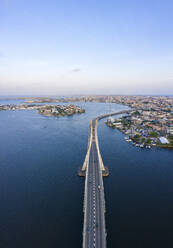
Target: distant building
pixel 164 140
pixel 110 119
pixel 170 130
pixel 118 124
pixel 54 110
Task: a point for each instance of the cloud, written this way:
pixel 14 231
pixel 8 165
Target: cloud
pixel 76 70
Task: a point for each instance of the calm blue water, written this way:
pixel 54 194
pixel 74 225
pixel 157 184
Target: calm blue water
pixel 5 101
pixel 41 196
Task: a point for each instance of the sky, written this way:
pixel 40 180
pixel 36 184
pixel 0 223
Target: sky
pixel 65 47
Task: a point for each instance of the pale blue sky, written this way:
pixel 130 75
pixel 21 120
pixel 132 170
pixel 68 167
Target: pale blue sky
pixel 72 47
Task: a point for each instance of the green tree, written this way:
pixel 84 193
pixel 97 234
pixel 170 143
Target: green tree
pixel 153 134
pixel 148 141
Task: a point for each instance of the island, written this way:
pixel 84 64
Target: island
pixel 46 110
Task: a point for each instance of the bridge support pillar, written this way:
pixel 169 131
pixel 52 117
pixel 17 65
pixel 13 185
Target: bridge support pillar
pixel 105 171
pixel 82 170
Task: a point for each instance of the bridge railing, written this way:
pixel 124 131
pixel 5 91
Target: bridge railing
pixel 98 149
pixel 114 113
pixel 88 149
pixel 85 208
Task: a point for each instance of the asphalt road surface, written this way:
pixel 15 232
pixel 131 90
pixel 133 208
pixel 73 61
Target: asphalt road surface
pixel 95 231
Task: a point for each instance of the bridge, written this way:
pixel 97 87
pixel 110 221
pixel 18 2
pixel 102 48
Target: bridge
pixel 94 227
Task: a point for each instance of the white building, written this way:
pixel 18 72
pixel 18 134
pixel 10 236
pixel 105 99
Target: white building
pixel 170 130
pixel 164 140
pixel 110 119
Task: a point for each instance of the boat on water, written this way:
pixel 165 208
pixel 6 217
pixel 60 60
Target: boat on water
pixel 127 139
pixel 149 147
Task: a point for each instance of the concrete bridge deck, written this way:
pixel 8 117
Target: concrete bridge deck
pixel 94 227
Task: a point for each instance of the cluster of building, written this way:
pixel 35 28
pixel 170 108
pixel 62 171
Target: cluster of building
pixel 47 110
pixel 146 127
pixel 19 107
pixel 90 98
pixel 151 122
pixel 164 102
pixel 60 110
pixel 157 103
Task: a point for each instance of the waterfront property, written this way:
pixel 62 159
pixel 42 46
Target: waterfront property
pixel 145 128
pixel 164 140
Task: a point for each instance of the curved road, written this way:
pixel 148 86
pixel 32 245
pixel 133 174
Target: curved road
pixel 94 232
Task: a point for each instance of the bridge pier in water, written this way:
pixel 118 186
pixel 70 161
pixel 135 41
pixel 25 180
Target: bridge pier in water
pixel 93 138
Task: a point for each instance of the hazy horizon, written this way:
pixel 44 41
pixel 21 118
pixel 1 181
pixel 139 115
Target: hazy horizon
pixel 73 47
pixel 81 95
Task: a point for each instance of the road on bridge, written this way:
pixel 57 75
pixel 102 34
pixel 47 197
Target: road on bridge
pixel 95 233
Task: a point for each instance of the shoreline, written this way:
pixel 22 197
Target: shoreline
pixel 139 135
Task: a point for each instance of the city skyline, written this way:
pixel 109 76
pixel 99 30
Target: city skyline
pixel 105 47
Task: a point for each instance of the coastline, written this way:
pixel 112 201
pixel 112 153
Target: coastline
pixel 139 135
